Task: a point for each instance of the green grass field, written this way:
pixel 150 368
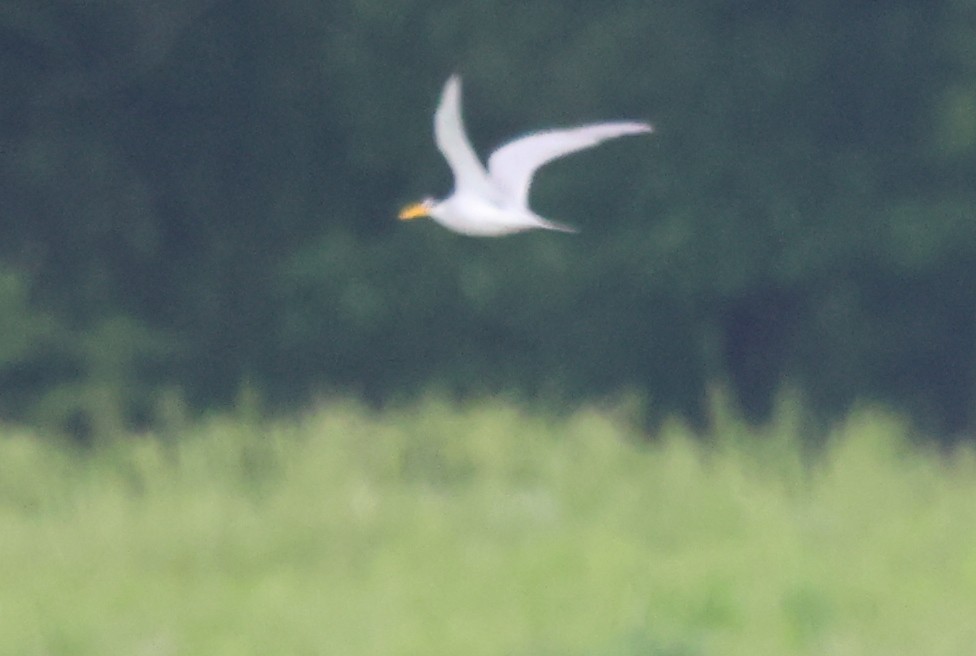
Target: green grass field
pixel 487 529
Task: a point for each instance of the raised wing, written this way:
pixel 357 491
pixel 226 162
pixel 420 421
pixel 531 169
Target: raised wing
pixel 469 174
pixel 510 168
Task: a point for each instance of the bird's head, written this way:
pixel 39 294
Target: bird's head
pixel 417 210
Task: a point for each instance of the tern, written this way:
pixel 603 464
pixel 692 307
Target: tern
pixel 495 202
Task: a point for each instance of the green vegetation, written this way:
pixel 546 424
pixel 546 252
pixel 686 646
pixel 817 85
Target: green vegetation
pixel 485 529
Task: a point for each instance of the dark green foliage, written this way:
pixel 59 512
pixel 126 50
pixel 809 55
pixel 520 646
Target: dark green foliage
pixel 198 194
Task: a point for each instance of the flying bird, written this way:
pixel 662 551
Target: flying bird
pixel 495 202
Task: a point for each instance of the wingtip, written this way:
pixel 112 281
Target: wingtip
pixel 622 128
pixel 451 95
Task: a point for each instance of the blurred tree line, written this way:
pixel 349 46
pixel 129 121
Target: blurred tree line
pixel 200 195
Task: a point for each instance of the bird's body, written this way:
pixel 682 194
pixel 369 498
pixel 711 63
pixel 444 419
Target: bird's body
pixel 494 202
pixel 475 216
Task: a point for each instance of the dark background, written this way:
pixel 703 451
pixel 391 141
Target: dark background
pixel 199 197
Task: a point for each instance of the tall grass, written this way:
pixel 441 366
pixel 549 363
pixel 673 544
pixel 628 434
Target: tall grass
pixel 487 529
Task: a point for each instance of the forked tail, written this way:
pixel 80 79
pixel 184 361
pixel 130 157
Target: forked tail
pixel 559 227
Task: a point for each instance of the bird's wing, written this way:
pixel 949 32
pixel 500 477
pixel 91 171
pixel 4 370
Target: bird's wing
pixel 510 168
pixel 469 174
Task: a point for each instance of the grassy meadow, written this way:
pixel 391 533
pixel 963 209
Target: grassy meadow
pixel 487 529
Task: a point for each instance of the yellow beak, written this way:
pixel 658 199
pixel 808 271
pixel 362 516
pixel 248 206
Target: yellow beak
pixel 414 211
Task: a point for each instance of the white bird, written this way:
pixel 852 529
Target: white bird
pixel 494 202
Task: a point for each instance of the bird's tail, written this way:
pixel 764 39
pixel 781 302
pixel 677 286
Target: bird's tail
pixel 555 225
